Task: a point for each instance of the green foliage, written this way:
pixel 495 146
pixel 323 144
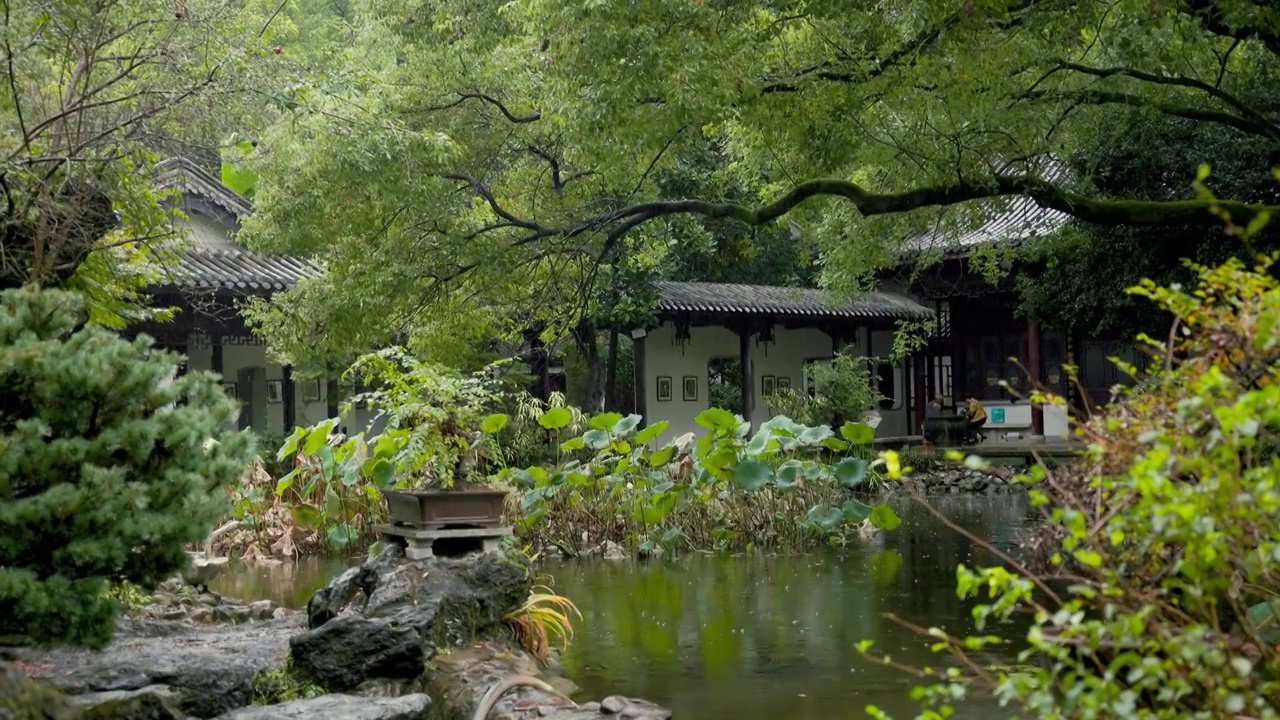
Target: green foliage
pixel 435 418
pixel 127 596
pixel 334 485
pixel 501 161
pixel 109 465
pixel 537 428
pixel 440 430
pixel 778 489
pixel 93 91
pixel 1155 598
pixel 282 685
pixel 843 390
pixel 1152 157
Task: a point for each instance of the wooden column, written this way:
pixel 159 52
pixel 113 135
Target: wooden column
pixel 1033 360
pixel 288 396
pixel 611 372
pixel 539 363
pixel 744 370
pixel 331 398
pixel 215 354
pixel 920 364
pixel 638 373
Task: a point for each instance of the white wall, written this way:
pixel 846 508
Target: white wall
pixel 238 357
pixel 662 357
pixel 785 357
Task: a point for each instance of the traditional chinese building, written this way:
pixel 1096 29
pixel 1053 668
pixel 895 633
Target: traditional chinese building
pixel 208 284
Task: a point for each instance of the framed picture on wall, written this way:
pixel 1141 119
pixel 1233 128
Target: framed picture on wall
pixel 311 391
pixel 784 382
pixel 275 391
pixel 768 385
pixel 231 390
pixel 664 388
pixel 690 388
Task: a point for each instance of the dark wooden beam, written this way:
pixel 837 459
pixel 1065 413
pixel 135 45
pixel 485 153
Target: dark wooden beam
pixel 331 397
pixel 744 362
pixel 215 354
pixel 918 388
pixel 611 372
pixel 1033 361
pixel 638 373
pixel 288 396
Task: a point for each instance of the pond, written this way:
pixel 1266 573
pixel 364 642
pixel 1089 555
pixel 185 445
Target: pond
pixel 756 637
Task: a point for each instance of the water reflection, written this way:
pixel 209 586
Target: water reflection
pixel 288 585
pixel 752 638
pixel 759 637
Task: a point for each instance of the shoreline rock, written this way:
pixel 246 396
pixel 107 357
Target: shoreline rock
pixel 462 677
pixel 370 646
pixel 180 601
pixel 210 670
pixel 386 618
pixel 957 479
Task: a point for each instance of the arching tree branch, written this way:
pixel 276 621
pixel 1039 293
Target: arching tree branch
pixel 1046 195
pixel 532 116
pixel 1178 81
pixel 1199 114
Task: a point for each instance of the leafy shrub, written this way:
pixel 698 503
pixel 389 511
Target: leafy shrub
pixel 843 389
pixel 439 432
pixel 1160 589
pixel 109 466
pixel 774 490
pixel 525 441
pixel 437 418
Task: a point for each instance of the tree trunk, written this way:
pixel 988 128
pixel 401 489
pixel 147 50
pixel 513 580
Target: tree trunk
pixel 611 371
pixel 538 365
pixel 589 346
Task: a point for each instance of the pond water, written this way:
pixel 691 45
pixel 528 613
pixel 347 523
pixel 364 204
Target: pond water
pixel 755 637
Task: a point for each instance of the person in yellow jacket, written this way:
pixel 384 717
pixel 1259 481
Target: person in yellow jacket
pixel 977 416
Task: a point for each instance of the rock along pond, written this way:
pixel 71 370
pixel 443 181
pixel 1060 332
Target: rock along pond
pixel 755 637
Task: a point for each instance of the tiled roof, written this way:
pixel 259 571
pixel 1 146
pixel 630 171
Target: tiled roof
pixel 188 177
pixel 783 301
pixel 1022 219
pixel 213 261
pixel 237 270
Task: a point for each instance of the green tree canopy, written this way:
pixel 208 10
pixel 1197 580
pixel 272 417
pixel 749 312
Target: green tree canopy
pixel 91 89
pixel 475 153
pixel 1150 161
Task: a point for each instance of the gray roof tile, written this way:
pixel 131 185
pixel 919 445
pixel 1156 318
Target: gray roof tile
pixel 214 261
pixel 1020 220
pixel 783 301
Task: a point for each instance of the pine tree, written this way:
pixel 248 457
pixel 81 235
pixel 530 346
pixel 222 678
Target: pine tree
pixel 109 465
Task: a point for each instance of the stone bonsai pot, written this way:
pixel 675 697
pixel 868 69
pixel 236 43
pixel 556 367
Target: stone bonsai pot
pixel 436 509
pixel 437 441
pixel 452 500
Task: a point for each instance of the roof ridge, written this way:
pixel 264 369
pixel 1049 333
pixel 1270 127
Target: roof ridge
pixel 180 170
pixel 741 298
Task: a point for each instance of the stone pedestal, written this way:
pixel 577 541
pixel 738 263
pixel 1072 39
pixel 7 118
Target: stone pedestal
pixel 420 544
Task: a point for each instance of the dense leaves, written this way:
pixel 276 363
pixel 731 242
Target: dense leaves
pixel 789 487
pixel 1152 158
pixel 1154 597
pixel 525 161
pixel 109 465
pixel 92 91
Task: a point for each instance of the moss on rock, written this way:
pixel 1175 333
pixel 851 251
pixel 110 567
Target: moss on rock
pixel 22 698
pixel 283 684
